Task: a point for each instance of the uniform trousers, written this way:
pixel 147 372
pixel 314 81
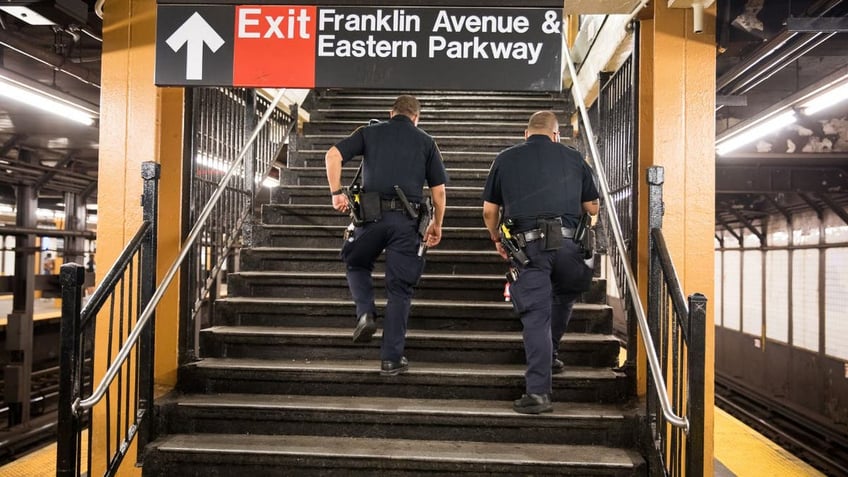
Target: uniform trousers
pixel 544 295
pixel 397 234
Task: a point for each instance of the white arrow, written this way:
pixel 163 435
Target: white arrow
pixel 195 32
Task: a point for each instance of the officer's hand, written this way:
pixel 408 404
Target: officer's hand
pixel 340 202
pixel 501 251
pixel 433 235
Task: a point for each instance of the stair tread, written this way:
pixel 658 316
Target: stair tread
pixel 433 276
pixel 419 303
pixel 419 368
pixel 452 335
pixel 335 250
pixel 419 450
pixel 403 406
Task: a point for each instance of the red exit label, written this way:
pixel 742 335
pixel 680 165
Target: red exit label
pixel 274 45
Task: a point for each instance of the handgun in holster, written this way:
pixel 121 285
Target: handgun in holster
pixel 352 193
pixel 583 236
pixel 513 246
pixel 424 214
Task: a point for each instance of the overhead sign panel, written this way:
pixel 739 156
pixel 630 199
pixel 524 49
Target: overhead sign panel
pixel 360 47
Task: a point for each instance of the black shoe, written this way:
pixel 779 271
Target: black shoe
pixel 557 366
pixel 393 368
pixel 365 328
pixel 533 404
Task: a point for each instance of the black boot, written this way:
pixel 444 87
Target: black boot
pixel 365 328
pixel 533 404
pixel 393 368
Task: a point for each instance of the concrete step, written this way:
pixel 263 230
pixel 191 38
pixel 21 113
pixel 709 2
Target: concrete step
pixel 320 195
pixel 492 347
pixel 393 418
pixel 204 455
pixel 455 141
pixel 432 127
pixel 425 314
pixel 293 259
pixel 330 236
pixel 318 176
pixel 452 159
pixel 425 380
pixel 324 214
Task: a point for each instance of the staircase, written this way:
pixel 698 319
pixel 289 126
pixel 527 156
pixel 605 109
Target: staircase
pixel 282 390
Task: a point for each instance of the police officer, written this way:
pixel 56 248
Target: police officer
pixel 541 186
pixel 395 153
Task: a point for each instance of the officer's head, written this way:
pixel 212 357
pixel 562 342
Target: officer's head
pixel 408 106
pixel 543 122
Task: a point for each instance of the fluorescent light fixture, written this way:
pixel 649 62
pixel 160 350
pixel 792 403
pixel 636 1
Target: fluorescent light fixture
pixel 829 98
pixel 751 134
pixel 27 15
pixel 18 88
pixel 270 182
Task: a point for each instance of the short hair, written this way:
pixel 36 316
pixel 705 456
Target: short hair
pixel 406 105
pixel 542 121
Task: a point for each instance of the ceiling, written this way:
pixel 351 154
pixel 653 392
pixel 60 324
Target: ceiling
pixel 763 61
pixel 760 63
pixel 50 153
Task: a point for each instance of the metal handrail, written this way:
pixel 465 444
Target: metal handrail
pixel 650 349
pixel 123 354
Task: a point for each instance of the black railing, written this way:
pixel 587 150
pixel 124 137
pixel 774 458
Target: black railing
pixel 679 332
pixel 117 302
pixel 675 424
pixel 221 122
pixel 132 295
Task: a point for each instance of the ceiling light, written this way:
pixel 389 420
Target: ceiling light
pixel 753 133
pixel 27 15
pixel 19 88
pixel 825 100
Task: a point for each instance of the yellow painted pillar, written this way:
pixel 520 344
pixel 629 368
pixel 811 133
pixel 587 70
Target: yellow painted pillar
pixel 677 131
pixel 138 122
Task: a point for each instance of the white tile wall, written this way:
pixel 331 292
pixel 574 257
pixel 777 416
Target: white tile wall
pixel 777 295
pixel 805 299
pixel 752 290
pixel 731 279
pixel 836 303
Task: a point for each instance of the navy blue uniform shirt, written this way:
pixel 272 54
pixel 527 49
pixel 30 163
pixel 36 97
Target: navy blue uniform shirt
pixel 395 152
pixel 540 179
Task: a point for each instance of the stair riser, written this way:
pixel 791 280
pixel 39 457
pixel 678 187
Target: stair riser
pixel 302 196
pixel 493 144
pixel 473 178
pixel 314 237
pixel 461 126
pixel 583 320
pixel 330 262
pixel 293 348
pixel 192 464
pixel 325 215
pixel 407 386
pixel 424 426
pixel 317 287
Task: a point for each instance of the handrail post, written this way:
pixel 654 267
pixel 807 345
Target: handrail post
pixel 292 134
pixel 150 173
pixel 72 278
pixel 250 155
pixel 696 357
pixel 656 178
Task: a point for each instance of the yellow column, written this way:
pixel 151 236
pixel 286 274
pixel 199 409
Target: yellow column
pixel 677 131
pixel 138 122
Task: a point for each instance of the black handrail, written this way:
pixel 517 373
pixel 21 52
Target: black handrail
pixel 679 331
pixel 125 289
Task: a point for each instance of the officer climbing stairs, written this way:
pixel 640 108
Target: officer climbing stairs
pixel 281 389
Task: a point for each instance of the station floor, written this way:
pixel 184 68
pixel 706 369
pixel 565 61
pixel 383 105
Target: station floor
pixel 739 450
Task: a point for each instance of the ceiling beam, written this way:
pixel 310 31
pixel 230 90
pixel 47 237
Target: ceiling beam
pixel 771 179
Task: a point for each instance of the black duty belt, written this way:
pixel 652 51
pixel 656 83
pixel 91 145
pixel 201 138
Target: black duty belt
pixel 536 234
pixel 396 204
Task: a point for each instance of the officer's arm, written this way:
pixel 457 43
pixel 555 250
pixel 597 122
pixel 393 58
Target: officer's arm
pixel 591 207
pixel 333 163
pixel 492 217
pixel 434 230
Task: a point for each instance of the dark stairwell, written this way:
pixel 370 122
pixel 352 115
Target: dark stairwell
pixel 280 389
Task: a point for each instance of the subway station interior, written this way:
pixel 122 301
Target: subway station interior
pixel 172 298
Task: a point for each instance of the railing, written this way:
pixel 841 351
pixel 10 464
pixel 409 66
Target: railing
pixel 125 290
pixel 222 121
pixel 676 439
pixel 132 297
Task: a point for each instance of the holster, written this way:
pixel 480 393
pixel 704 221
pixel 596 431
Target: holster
pixel 552 228
pixel 369 207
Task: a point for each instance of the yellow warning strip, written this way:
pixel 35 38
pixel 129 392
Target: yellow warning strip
pixel 748 453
